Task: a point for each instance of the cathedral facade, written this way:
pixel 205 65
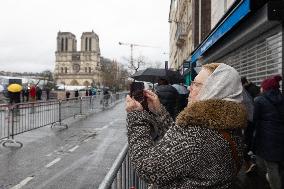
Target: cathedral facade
pixel 74 67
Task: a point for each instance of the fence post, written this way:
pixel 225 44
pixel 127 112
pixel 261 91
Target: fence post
pixel 60 115
pixel 59 111
pixel 12 141
pixel 81 101
pixel 13 122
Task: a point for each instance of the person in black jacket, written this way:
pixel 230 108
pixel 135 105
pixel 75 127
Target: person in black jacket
pixel 250 87
pixel 168 96
pixel 76 93
pixel 269 120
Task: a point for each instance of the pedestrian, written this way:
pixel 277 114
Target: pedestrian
pixel 87 92
pixel 203 149
pixel 168 97
pixel 94 91
pixel 90 92
pixel 15 97
pixel 76 93
pixel 38 93
pixel 250 87
pixel 33 98
pixel 67 94
pixel 182 96
pixel 106 97
pixel 32 93
pixel 249 151
pixel 23 94
pixel 269 138
pixel 47 90
pixel 26 93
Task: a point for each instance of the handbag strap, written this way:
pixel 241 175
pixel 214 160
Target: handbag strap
pixel 233 146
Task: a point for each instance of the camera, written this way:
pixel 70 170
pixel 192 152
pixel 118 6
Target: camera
pixel 136 91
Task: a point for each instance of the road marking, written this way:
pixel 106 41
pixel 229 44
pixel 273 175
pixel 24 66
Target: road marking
pixel 49 154
pixel 53 162
pixel 110 123
pixel 73 149
pixel 104 127
pixel 86 140
pixel 22 183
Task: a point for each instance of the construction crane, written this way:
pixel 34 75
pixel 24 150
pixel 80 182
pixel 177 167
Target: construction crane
pixel 132 45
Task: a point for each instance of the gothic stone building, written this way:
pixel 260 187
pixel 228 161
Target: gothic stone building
pixel 74 67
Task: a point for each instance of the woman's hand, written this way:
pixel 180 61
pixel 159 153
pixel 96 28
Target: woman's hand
pixel 153 101
pixel 132 105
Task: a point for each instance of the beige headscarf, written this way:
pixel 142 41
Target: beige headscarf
pixel 224 83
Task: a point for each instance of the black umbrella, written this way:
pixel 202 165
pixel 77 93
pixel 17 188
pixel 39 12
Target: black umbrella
pixel 154 74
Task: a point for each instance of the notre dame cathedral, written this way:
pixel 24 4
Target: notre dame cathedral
pixel 74 67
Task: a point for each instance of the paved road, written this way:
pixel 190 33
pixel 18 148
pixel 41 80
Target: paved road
pixel 77 157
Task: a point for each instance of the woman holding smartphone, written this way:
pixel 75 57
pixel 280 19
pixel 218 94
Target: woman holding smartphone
pixel 203 148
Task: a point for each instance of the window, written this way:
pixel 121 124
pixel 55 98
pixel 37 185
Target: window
pixel 86 44
pixel 90 69
pixel 66 44
pixel 62 70
pixel 65 69
pixel 90 44
pixel 62 44
pixel 86 69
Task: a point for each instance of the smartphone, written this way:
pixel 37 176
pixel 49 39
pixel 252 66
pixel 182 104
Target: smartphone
pixel 136 91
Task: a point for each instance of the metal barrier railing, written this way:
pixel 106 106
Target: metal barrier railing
pixel 122 175
pixel 23 117
pixel 4 119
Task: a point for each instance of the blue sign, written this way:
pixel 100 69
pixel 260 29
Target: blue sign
pixel 232 19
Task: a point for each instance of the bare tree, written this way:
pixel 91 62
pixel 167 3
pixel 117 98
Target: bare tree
pixel 114 75
pixel 136 64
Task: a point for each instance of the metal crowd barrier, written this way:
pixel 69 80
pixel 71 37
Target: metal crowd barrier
pixel 122 175
pixel 22 117
pixel 4 119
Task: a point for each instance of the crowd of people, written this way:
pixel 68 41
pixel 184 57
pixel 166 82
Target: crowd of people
pixel 30 93
pixel 227 123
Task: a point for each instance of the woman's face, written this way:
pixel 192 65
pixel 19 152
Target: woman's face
pixel 197 84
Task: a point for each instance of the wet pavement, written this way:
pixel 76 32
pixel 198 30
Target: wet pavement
pixel 77 157
pixel 80 156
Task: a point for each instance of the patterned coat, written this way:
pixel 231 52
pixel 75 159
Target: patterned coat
pixel 191 153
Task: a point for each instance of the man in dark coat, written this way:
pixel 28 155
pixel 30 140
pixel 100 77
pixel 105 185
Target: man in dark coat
pixel 76 93
pixel 38 93
pixel 269 119
pixel 168 96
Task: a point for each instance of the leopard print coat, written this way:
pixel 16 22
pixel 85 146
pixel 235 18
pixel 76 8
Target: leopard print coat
pixel 191 152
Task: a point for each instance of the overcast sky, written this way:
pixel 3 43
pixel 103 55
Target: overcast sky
pixel 29 29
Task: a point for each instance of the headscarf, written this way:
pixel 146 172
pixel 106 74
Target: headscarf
pixel 224 83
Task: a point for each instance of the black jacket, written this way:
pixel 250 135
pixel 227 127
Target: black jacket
pixel 168 96
pixel 252 89
pixel 269 120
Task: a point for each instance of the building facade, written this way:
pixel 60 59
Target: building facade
pixel 190 23
pixel 248 37
pixel 74 67
pixel 180 19
pixel 246 34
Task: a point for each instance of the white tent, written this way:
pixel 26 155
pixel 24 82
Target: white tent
pixel 71 87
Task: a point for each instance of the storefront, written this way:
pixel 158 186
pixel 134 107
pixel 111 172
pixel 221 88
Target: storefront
pixel 249 38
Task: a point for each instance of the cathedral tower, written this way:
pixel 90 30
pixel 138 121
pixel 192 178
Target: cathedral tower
pixel 74 67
